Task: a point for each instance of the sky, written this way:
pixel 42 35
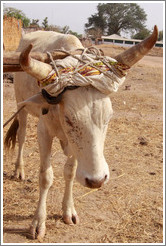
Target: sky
pixel 75 14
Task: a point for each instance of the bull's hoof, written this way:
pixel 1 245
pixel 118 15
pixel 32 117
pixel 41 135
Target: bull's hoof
pixel 71 220
pixel 37 232
pixel 19 173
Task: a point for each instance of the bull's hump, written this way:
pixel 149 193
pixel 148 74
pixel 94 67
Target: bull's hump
pixel 48 40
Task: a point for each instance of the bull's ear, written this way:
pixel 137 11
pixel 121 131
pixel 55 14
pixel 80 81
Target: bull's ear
pixel 36 99
pixel 135 53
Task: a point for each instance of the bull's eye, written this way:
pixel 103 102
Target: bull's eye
pixel 68 121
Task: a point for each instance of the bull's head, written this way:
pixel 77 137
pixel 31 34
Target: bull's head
pixel 84 115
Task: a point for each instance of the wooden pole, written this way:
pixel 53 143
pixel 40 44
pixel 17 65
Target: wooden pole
pixel 11 59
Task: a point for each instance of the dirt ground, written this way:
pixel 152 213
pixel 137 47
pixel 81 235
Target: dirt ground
pixel 129 208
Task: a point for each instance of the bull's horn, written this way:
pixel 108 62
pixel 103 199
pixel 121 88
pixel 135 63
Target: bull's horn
pixel 37 69
pixel 135 53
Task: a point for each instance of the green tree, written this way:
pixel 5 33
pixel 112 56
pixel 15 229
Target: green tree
pixel 97 21
pixel 142 34
pixel 45 23
pixel 65 29
pixel 35 22
pixel 113 18
pixel 18 14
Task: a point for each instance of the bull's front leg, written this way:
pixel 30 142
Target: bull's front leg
pixel 69 213
pixel 38 228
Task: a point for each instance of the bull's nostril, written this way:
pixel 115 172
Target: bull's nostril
pixel 88 182
pixel 95 183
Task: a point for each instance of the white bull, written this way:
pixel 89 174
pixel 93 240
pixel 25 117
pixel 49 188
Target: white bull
pixel 80 121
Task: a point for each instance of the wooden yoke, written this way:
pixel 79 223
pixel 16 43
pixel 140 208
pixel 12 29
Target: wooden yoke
pixel 11 59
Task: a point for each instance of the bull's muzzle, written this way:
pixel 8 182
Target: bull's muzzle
pixel 95 183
